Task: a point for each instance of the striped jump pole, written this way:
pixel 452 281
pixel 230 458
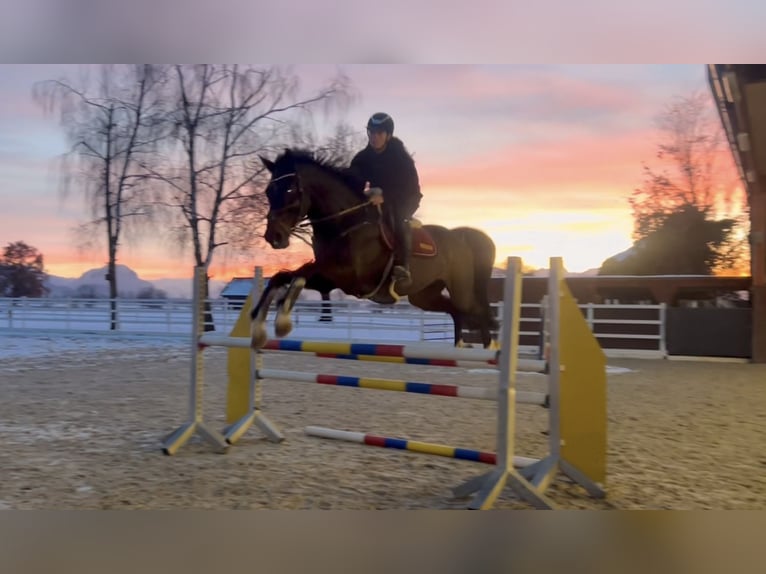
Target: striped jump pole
pixel 577 410
pixel 489 485
pixel 416 353
pixel 576 392
pixel 406 360
pixel 458 391
pixel 248 363
pixel 414 446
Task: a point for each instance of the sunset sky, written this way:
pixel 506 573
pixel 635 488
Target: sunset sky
pixel 542 158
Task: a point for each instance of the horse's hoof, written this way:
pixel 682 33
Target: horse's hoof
pixel 258 336
pixel 283 325
pixel 299 283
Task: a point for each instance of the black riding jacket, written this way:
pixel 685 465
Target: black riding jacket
pixel 393 170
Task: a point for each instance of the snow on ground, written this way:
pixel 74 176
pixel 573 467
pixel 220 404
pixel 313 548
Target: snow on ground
pixel 31 346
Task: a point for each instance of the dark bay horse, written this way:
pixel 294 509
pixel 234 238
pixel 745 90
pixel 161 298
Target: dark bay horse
pixel 353 251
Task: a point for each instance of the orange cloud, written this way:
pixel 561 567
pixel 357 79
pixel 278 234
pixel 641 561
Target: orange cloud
pixel 580 174
pixel 486 90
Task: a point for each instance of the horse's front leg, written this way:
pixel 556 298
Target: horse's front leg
pixel 258 334
pixel 304 276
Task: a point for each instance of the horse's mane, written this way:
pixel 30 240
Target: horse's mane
pixel 326 162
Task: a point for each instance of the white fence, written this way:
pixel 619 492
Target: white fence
pixel 351 321
pixel 627 335
pixel 152 317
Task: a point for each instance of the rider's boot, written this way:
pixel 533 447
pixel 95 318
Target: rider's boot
pixel 402 253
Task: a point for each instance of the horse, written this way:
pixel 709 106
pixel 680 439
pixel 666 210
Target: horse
pixel 353 250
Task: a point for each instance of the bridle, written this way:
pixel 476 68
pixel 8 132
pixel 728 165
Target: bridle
pixel 304 206
pixel 298 229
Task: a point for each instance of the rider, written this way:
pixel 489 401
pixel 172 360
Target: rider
pixel 390 170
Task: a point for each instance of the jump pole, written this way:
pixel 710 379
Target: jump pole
pixel 243 365
pixel 578 423
pixel 577 391
pixel 402 386
pixel 577 412
pixel 414 446
pixel 416 353
pixel 195 424
pixel 489 486
pixel 577 415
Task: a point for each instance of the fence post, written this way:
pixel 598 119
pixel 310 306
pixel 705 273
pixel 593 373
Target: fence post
pixel 590 316
pixel 663 330
pixel 543 319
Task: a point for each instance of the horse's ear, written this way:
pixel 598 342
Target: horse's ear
pixel 267 163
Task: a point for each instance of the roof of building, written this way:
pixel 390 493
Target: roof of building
pixel 238 287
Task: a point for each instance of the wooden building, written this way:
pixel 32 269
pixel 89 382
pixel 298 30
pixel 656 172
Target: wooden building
pixel 740 92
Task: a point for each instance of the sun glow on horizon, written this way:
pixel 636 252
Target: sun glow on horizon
pixel 583 238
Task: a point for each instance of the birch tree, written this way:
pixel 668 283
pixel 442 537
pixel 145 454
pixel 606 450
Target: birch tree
pixel 110 124
pixel 221 118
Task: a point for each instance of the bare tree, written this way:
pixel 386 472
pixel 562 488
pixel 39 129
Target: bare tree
pixel 695 175
pixel 222 117
pixel 340 146
pixel 110 127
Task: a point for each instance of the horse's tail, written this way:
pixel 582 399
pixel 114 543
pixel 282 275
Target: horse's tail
pixel 483 249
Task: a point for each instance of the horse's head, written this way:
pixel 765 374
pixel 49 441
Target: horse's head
pixel 288 204
pixel 303 186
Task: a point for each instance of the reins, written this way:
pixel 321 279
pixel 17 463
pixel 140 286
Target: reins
pixel 336 215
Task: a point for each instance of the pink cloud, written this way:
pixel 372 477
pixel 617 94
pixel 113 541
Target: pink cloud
pixel 538 91
pixel 599 161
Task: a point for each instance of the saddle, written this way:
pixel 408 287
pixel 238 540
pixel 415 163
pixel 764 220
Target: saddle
pixel 423 244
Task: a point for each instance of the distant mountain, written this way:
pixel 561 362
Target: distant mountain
pixel 93 283
pixel 182 288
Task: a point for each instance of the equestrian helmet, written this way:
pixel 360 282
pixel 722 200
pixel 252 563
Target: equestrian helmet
pixel 381 122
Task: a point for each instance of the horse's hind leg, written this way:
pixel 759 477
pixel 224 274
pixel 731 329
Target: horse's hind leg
pixel 476 314
pixel 482 323
pixel 432 299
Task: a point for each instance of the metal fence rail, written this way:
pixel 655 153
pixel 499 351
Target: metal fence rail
pixel 173 318
pixel 617 327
